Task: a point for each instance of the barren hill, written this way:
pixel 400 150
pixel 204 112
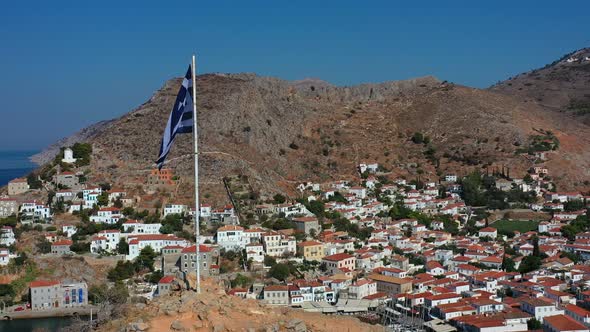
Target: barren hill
pixel 213 310
pixel 561 86
pixel 281 132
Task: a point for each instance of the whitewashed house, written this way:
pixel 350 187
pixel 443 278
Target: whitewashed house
pixel 69 230
pixel 231 237
pixel 107 215
pixel 105 241
pixel 155 241
pixel 137 227
pixel 175 209
pixel 7 236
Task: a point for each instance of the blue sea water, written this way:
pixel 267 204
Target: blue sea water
pixel 14 164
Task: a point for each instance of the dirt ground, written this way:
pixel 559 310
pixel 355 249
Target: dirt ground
pixel 213 310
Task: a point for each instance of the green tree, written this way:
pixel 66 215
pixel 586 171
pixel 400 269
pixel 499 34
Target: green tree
pixel 146 258
pixel 508 264
pixel 529 263
pixel 7 293
pixel 123 270
pixel 240 281
pixel 80 247
pixel 34 182
pixel 230 255
pixel 316 207
pixel 117 294
pixel 103 199
pixel 279 271
pixel 536 251
pixel 574 205
pixel 154 277
pixel 82 153
pixel 123 247
pixel 269 261
pixel 534 324
pixel 279 199
pixel 418 138
pixel 43 246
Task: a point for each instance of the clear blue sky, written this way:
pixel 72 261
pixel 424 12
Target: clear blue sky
pixel 67 64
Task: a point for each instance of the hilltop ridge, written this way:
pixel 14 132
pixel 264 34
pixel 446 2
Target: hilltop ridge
pixel 279 132
pixel 562 86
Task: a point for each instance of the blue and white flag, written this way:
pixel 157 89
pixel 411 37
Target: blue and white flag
pixel 181 117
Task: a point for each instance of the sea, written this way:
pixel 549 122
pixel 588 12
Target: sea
pixel 55 324
pixel 14 164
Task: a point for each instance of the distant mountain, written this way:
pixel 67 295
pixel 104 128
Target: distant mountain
pixel 279 133
pixel 561 86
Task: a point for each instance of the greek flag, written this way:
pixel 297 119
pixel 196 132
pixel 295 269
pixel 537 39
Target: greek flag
pixel 181 117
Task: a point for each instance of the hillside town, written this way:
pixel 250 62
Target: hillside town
pixel 483 251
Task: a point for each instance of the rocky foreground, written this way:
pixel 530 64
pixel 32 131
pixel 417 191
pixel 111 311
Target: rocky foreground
pixel 213 310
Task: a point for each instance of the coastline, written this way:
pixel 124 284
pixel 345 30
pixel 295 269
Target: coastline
pixel 15 164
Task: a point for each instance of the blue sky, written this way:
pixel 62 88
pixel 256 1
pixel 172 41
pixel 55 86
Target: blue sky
pixel 67 64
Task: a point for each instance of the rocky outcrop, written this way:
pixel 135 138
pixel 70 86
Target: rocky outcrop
pixel 214 311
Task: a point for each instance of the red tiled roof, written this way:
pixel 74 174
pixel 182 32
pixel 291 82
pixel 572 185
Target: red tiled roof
pixel 578 310
pixel 276 288
pixel 166 280
pixel 64 242
pixel 309 243
pixel 193 248
pixel 112 209
pixel 154 237
pixel 43 283
pixel 230 228
pixel 338 257
pixel 488 230
pixel 564 323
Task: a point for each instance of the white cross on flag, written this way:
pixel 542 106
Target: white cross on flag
pixel 181 117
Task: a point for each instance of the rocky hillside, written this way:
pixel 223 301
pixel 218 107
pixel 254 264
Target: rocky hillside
pixel 562 86
pixel 213 310
pixel 279 133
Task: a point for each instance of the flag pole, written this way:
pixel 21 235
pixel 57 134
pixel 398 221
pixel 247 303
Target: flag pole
pixel 196 157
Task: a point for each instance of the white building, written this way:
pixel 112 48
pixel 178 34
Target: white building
pixel 155 241
pixel 362 288
pixel 231 237
pixel 8 207
pixel 255 251
pixel 175 209
pixel 115 194
pixel 108 215
pixel 65 195
pixel 105 241
pixel 372 168
pixel 277 244
pixel 35 210
pixel 358 192
pixel 90 196
pixel 68 156
pixel 451 178
pixel 7 236
pixel 69 230
pixel 490 232
pixel 5 256
pixel 539 308
pixel 205 211
pixel 137 227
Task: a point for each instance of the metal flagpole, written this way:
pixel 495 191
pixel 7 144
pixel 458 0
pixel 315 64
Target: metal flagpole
pixel 196 157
